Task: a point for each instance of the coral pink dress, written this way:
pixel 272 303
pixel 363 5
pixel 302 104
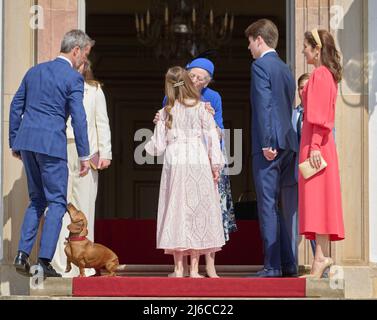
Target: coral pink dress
pixel 320 203
pixel 189 215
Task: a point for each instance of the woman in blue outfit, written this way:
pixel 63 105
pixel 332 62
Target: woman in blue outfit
pixel 201 73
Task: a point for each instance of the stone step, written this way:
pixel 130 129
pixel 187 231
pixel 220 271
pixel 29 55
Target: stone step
pixel 62 287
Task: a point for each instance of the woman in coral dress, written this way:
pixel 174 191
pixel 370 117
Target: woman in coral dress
pixel 320 203
pixel 189 220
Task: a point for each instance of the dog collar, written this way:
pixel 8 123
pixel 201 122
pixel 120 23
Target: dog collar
pixel 76 238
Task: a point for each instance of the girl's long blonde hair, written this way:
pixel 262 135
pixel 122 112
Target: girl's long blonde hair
pixel 178 86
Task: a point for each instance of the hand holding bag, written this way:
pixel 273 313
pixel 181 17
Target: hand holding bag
pixel 308 171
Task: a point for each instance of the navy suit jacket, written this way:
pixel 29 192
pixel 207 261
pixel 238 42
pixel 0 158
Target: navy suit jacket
pixel 48 94
pixel 272 97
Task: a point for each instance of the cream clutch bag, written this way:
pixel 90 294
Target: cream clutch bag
pixel 306 169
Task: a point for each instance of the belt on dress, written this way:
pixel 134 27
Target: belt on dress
pixel 184 140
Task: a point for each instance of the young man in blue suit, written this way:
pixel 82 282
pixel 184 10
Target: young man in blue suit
pixel 274 144
pixel 48 94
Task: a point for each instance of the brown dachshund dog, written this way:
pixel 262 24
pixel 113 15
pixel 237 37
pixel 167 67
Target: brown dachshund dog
pixel 84 253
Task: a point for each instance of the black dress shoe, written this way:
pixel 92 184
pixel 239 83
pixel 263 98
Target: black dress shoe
pixel 269 273
pixel 22 264
pixel 48 270
pixel 289 272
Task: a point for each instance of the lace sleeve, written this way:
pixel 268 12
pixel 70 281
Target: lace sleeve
pixel 157 145
pixel 210 134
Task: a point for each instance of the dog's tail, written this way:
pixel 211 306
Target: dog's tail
pixel 121 267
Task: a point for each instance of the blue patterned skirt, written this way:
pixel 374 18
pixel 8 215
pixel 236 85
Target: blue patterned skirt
pixel 226 201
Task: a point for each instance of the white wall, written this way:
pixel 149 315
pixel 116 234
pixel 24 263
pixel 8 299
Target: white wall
pixel 372 66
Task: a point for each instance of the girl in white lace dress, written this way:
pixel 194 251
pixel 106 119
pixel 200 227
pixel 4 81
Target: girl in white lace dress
pixel 189 220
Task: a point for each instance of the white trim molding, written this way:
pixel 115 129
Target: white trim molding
pixel 372 103
pixel 1 126
pixel 81 15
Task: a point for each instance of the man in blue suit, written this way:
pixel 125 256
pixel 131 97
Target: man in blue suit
pixel 274 144
pixel 48 94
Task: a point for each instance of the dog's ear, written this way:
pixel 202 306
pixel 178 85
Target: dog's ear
pixel 81 215
pixel 83 225
pixel 85 220
pixel 74 228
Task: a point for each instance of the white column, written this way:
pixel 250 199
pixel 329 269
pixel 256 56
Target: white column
pixel 372 70
pixel 1 131
pixel 81 14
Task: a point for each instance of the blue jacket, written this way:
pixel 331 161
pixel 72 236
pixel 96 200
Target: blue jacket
pixel 272 97
pixel 48 94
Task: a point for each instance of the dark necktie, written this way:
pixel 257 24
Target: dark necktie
pixel 299 124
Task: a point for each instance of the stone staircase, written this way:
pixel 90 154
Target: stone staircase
pixel 62 287
pixel 352 283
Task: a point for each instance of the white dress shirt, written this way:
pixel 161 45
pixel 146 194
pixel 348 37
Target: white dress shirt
pixel 295 115
pixel 268 51
pixel 66 59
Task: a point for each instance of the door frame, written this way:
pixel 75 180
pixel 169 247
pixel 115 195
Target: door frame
pixel 1 131
pixel 290 16
pixel 81 15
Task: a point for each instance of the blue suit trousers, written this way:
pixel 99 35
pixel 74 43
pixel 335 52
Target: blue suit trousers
pixel 47 179
pixel 289 212
pixel 270 177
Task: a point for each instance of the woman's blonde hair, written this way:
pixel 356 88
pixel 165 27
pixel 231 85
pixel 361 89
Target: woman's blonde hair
pixel 178 86
pixel 88 75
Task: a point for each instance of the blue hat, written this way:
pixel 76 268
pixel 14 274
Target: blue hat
pixel 202 63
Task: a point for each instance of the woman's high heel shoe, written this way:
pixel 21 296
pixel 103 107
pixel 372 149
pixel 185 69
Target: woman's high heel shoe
pixel 328 262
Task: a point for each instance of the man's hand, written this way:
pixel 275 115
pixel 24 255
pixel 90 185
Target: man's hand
pixel 103 164
pixel 156 118
pixel 209 108
pixel 315 159
pixel 269 153
pixel 84 168
pixel 16 154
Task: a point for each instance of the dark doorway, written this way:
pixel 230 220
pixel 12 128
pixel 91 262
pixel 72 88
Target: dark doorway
pixel 134 82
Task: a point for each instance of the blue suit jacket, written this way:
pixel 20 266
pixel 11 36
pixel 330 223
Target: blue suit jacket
pixel 48 94
pixel 272 97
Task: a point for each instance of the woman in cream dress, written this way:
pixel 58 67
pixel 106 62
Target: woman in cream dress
pixel 82 191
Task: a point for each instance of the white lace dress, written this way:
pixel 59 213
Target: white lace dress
pixel 189 215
